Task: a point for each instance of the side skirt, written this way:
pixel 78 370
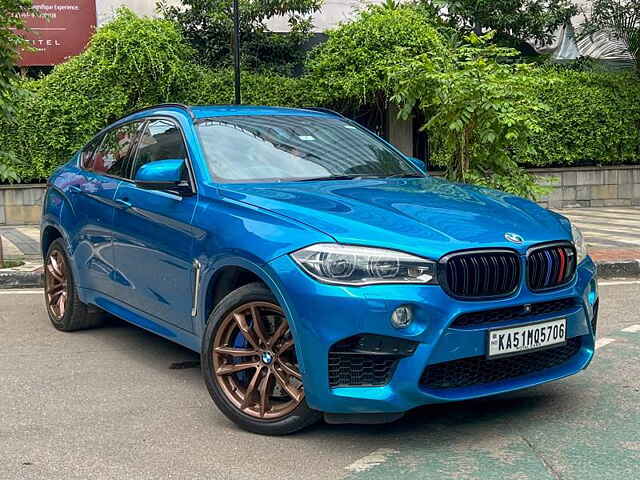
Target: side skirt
pixel 141 319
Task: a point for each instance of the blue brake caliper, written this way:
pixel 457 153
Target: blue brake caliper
pixel 240 342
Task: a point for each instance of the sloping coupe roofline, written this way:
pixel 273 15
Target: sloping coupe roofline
pixel 202 111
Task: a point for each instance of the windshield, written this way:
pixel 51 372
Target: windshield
pixel 295 148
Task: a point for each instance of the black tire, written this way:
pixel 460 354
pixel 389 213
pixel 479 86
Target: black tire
pixel 302 416
pixel 77 315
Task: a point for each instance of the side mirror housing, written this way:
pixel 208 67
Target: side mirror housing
pixel 161 174
pixel 420 164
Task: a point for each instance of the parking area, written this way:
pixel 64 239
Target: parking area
pixel 118 402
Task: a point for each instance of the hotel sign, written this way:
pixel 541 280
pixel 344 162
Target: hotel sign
pixel 62 30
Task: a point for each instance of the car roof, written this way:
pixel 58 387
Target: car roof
pixel 197 112
pixel 205 111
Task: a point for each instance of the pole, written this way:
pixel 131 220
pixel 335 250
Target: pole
pixel 236 50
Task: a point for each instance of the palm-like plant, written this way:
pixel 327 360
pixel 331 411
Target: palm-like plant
pixel 620 20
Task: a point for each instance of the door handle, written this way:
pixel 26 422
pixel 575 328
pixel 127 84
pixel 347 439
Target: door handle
pixel 75 189
pixel 124 202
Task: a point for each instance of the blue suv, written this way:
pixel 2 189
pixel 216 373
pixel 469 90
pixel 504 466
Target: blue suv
pixel 315 268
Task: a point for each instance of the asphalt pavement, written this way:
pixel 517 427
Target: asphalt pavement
pixel 116 403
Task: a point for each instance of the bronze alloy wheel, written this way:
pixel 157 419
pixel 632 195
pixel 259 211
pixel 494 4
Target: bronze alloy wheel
pixel 56 284
pixel 254 361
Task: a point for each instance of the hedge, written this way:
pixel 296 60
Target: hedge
pixel 593 119
pixel 134 62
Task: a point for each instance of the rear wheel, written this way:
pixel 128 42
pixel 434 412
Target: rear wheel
pixel 66 311
pixel 250 365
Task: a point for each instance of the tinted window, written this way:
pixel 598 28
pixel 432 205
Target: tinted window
pixel 111 157
pixel 161 140
pixel 290 147
pixel 86 157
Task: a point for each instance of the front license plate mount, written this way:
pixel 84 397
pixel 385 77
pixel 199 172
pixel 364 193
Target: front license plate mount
pixel 508 341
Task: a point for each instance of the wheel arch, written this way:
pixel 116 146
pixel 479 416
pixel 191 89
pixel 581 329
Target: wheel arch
pixel 224 281
pixel 49 234
pixel 221 278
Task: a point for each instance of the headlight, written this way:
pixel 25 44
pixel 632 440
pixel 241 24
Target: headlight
pixel 579 243
pixel 353 265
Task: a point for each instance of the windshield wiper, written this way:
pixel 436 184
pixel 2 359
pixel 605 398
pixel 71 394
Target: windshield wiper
pixel 337 177
pixel 360 177
pixel 406 175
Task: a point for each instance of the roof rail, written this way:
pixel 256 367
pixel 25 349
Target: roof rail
pixel 325 110
pixel 186 108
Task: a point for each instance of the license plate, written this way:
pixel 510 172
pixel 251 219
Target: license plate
pixel 506 341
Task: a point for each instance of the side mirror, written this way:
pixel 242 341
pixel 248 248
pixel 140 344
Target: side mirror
pixel 160 175
pixel 420 164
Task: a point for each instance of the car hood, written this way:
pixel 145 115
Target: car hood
pixel 426 216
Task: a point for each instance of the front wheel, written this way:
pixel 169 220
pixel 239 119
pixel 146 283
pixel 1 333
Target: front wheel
pixel 250 365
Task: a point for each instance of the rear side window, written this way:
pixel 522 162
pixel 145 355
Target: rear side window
pixel 86 157
pixel 161 140
pixel 112 155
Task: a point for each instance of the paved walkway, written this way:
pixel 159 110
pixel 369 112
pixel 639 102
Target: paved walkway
pixel 613 234
pixel 21 243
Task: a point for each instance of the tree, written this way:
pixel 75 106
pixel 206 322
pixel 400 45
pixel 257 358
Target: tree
pixel 480 111
pixel 519 20
pixel 208 26
pixel 620 19
pixel 11 20
pixel 352 66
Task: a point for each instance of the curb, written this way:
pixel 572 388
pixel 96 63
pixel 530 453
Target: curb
pixel 35 279
pixel 619 269
pixel 11 279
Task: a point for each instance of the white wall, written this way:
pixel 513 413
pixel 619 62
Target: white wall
pixel 332 12
pixel 105 9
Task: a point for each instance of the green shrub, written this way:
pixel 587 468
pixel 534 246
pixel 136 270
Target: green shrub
pixel 593 118
pixel 133 62
pixel 478 111
pixel 351 68
pixel 130 62
pixel 216 87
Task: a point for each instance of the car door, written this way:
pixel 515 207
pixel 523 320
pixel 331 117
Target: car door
pixel 153 235
pixel 91 187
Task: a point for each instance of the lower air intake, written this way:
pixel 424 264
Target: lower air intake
pixel 366 360
pixel 360 370
pixel 471 371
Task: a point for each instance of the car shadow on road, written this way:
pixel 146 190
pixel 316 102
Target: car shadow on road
pixel 497 411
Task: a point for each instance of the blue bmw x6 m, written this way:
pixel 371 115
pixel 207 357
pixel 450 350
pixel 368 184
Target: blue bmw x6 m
pixel 315 268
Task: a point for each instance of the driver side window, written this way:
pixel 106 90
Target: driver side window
pixel 161 140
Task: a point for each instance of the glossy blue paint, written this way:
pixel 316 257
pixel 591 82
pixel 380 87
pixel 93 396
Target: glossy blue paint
pixel 153 249
pixel 133 252
pixel 87 220
pixel 161 171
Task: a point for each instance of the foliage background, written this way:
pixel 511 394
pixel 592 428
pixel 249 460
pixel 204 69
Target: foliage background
pixel 208 26
pixel 592 117
pixel 11 19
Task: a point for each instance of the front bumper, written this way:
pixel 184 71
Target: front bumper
pixel 322 315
